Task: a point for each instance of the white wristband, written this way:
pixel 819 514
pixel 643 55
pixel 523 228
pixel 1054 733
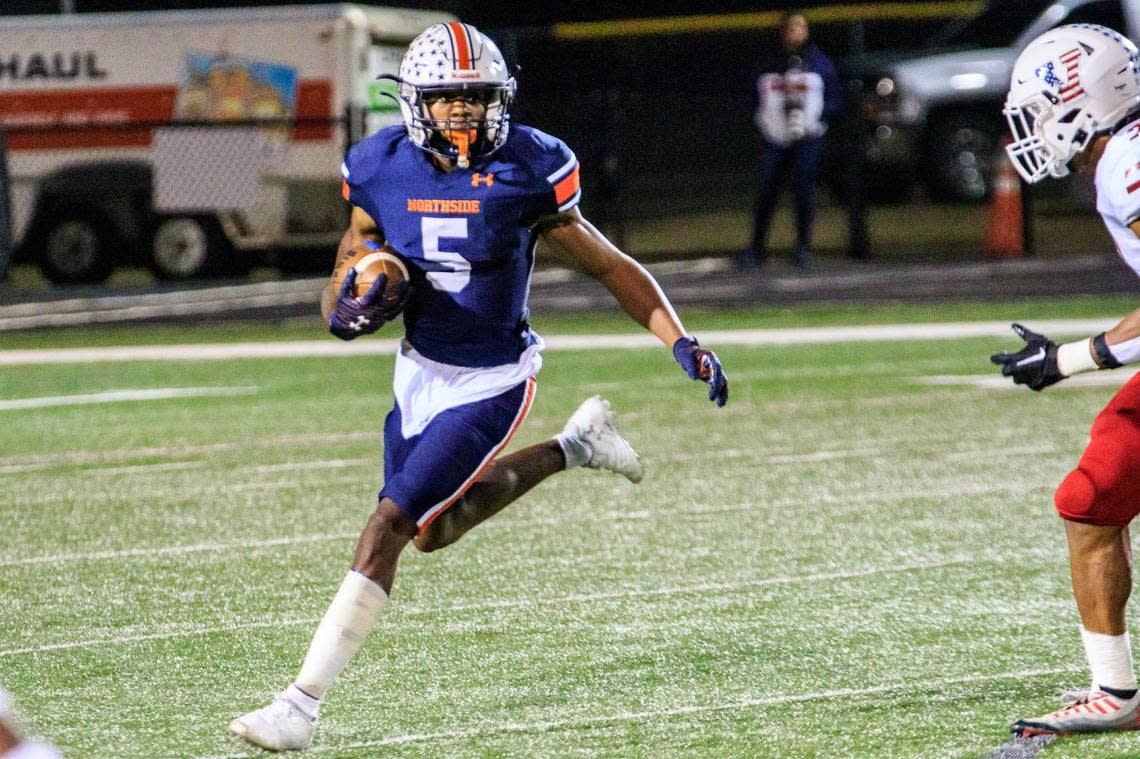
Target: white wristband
pixel 1074 358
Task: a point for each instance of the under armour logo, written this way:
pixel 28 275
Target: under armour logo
pixel 358 324
pixel 478 179
pixel 1049 76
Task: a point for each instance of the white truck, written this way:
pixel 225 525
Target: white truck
pixel 941 111
pixel 189 141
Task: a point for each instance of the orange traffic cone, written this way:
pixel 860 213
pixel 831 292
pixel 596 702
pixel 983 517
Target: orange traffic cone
pixel 1005 234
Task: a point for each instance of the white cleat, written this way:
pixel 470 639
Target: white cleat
pixel 593 423
pixel 1095 712
pixel 281 726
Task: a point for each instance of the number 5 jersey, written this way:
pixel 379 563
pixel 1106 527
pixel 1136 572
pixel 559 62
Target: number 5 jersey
pixel 468 236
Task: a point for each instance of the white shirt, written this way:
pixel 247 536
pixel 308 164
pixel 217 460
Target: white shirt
pixel 1118 191
pixel 791 106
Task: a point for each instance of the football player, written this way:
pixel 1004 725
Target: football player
pixel 465 196
pixel 1074 104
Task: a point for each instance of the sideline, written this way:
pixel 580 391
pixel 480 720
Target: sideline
pixel 329 348
pixel 119 396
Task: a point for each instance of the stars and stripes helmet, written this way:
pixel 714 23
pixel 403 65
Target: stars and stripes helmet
pixel 1068 85
pixel 446 58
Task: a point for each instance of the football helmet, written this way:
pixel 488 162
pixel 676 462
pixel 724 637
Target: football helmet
pixel 453 61
pixel 1068 85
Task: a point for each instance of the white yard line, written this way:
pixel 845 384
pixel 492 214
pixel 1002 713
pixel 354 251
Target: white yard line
pixel 295 466
pixel 119 396
pixel 653 714
pixel 525 603
pixel 199 301
pixel 175 550
pixel 40 460
pixel 715 338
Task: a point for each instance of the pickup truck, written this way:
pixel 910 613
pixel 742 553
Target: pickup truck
pixel 937 115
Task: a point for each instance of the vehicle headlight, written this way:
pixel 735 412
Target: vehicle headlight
pixel 881 102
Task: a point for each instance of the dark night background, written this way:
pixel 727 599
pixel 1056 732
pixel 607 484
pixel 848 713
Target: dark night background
pixel 478 12
pixel 640 111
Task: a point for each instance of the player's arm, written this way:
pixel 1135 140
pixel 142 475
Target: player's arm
pixel 579 245
pixel 361 227
pixel 1043 362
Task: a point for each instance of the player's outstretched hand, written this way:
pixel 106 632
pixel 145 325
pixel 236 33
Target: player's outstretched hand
pixel 352 316
pixel 1034 365
pixel 701 364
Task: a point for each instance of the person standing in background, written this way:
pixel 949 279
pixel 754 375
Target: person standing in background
pixel 798 92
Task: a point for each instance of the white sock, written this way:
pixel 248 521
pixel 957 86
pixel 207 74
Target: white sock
pixel 576 450
pixel 351 616
pixel 1110 659
pixel 308 705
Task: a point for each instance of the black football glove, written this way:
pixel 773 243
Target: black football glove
pixel 1034 365
pixel 354 316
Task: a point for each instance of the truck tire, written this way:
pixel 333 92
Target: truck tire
pixel 189 247
pixel 961 156
pixel 76 246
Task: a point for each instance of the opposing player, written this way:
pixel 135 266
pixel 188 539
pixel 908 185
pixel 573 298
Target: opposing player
pixel 1074 102
pixel 464 195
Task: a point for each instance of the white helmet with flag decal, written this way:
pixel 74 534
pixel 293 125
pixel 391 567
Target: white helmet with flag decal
pixel 1068 85
pixel 446 58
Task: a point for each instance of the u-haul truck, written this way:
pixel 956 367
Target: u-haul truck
pixel 189 141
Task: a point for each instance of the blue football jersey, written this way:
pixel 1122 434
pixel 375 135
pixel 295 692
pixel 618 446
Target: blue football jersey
pixel 466 235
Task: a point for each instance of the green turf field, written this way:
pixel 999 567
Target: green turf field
pixel 844 561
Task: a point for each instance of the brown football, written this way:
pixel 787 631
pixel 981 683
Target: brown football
pixel 370 262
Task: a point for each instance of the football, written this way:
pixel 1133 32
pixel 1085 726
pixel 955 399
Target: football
pixel 370 261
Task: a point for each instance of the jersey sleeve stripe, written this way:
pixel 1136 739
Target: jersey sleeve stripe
pixel 563 170
pixel 344 170
pixel 344 190
pixel 573 201
pixel 567 187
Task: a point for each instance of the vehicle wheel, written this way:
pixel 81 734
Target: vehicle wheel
pixel 187 247
pixel 962 153
pixel 77 246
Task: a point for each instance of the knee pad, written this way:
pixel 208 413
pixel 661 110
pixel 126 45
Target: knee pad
pixel 1075 496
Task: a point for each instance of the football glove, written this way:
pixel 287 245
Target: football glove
pixel 701 364
pixel 352 316
pixel 1034 365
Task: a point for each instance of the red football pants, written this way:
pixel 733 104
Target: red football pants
pixel 1104 489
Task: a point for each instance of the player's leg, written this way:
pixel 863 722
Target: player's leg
pixel 1098 500
pixel 805 170
pixel 289 722
pixel 1100 560
pixel 771 170
pixel 589 439
pixel 504 481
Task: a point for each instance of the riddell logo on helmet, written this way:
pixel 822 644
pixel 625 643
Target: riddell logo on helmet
pixel 465 74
